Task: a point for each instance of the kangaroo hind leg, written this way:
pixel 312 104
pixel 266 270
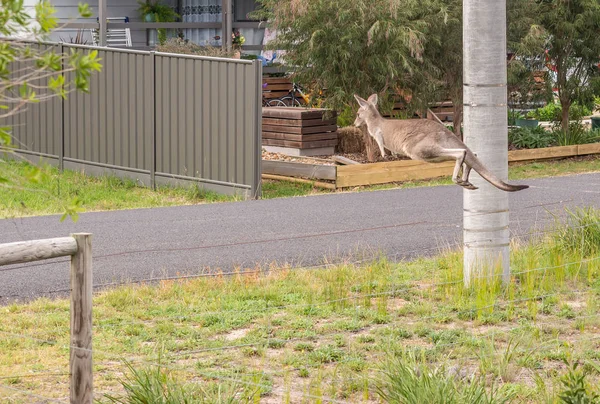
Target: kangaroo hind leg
pixel 459 155
pixel 465 177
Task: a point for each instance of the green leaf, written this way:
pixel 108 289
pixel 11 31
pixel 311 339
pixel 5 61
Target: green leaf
pixel 84 10
pixel 44 15
pixel 5 136
pixel 72 210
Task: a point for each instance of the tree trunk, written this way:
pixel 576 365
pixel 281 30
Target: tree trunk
pixel 486 233
pixel 564 119
pixel 370 145
pixel 457 117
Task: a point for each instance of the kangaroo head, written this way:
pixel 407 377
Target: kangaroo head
pixel 367 110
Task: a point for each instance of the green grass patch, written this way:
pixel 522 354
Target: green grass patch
pixel 398 332
pixel 54 192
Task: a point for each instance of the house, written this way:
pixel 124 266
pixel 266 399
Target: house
pixel 202 21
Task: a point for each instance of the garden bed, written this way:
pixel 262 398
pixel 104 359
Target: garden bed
pixel 325 173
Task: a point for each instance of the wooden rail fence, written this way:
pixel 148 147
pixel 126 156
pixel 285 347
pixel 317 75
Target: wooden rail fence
pixel 79 247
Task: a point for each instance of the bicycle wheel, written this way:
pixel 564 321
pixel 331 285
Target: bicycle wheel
pixel 276 102
pixel 291 101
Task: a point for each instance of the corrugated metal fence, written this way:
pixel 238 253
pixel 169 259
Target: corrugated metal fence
pixel 160 118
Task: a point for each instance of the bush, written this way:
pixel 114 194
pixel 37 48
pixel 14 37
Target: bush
pixel 550 112
pixel 553 112
pixel 577 134
pixel 513 115
pixel 530 138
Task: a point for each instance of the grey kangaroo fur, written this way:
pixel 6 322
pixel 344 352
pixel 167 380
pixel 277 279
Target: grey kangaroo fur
pixel 426 140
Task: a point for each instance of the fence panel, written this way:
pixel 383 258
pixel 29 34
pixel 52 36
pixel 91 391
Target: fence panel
pixel 36 128
pixel 113 124
pixel 207 120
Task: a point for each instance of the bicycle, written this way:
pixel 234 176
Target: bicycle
pixel 291 100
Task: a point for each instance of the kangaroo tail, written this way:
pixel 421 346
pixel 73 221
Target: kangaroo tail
pixel 477 165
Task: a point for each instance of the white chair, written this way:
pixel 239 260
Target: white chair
pixel 115 37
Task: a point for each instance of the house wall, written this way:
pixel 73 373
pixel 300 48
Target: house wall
pixel 66 11
pixel 241 8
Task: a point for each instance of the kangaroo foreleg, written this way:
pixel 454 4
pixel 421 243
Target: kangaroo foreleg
pixel 378 136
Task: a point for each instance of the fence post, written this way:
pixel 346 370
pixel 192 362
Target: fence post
pixel 61 148
pixel 256 188
pixel 80 364
pixel 153 156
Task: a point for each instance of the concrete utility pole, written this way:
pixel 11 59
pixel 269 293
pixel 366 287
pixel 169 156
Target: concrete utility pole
pixel 485 211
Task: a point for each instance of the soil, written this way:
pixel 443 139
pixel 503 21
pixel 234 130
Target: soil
pixel 324 160
pixel 327 160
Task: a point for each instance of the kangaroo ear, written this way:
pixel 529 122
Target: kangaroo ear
pixel 373 99
pixel 361 101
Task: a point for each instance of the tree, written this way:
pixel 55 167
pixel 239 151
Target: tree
pixel 570 31
pixel 443 62
pixel 528 81
pixel 351 47
pixel 29 75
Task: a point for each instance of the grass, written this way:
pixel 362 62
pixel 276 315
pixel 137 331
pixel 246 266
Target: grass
pixel 55 190
pixel 403 332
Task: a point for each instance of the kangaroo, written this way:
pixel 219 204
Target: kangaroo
pixel 426 140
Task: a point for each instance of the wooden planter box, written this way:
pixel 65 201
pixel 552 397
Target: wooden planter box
pixel 299 131
pixel 275 87
pixel 404 170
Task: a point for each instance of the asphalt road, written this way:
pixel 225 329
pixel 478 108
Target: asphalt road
pixel 134 245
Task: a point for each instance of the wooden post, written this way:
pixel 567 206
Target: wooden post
pixel 80 364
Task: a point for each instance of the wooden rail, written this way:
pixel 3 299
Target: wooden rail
pixel 79 247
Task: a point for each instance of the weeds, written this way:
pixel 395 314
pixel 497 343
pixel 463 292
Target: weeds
pixel 575 387
pixel 156 385
pixel 407 380
pixel 580 234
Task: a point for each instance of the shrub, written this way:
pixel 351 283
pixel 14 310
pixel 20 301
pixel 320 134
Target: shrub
pixel 530 138
pixel 577 134
pixel 552 112
pixel 513 115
